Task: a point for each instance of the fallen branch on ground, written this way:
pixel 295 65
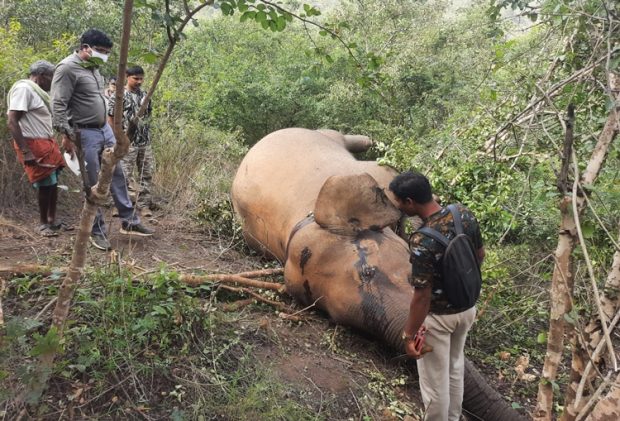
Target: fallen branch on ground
pixel 261 273
pixel 194 280
pixel 243 278
pixel 238 305
pixel 29 269
pixel 4 223
pixel 2 288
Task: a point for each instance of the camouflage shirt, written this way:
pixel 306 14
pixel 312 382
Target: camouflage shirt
pixel 426 254
pixel 131 104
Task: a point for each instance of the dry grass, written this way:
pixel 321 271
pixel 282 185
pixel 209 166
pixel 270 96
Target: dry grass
pixel 195 163
pixel 14 186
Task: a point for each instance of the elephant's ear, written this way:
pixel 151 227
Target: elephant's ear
pixel 348 204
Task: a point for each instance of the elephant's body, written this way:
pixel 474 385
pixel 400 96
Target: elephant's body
pixel 280 162
pixel 354 270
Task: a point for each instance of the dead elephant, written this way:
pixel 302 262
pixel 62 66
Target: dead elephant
pixel 305 200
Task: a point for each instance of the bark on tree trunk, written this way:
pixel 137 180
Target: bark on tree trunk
pixel 561 302
pixel 580 390
pixel 562 280
pixel 97 197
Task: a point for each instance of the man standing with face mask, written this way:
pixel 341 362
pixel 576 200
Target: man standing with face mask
pixel 79 112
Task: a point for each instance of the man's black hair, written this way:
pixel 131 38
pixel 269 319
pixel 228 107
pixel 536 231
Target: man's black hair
pixel 134 71
pixel 412 185
pixel 112 79
pixel 96 38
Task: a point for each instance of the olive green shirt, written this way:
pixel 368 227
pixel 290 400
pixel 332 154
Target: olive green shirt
pixel 77 95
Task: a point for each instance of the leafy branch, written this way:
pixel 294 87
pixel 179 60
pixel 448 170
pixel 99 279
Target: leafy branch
pixel 271 15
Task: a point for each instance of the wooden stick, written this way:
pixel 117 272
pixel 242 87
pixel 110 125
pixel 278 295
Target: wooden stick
pixel 586 371
pixel 2 289
pixel 261 273
pixel 237 305
pixel 597 298
pixel 3 222
pixel 242 278
pixel 283 315
pixel 29 269
pixel 194 280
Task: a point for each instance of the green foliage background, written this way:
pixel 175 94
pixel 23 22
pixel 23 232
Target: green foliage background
pixel 430 84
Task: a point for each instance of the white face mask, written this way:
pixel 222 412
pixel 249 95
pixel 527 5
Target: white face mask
pixel 95 53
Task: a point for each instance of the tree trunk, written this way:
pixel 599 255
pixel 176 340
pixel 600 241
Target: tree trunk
pixel 97 196
pixel 582 377
pixel 561 283
pixel 562 280
pixel 561 302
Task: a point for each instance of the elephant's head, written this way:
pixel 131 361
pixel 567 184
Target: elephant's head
pixel 350 260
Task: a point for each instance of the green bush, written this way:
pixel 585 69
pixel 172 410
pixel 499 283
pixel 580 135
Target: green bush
pixel 151 343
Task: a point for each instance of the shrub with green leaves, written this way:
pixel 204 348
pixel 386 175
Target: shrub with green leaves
pixel 150 342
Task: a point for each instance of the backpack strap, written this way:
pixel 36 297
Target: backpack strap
pixel 435 235
pixel 456 215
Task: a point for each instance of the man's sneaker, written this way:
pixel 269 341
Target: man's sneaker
pixel 100 241
pixel 136 229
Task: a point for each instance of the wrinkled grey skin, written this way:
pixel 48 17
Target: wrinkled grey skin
pixel 359 278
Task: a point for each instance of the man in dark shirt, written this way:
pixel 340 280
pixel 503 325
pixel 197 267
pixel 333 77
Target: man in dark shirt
pixel 441 371
pixel 140 153
pixel 78 104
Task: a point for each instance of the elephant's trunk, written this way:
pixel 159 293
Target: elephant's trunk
pixel 479 399
pixel 482 401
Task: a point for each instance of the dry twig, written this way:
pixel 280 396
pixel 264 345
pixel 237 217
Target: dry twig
pixel 2 289
pixel 596 295
pixel 3 222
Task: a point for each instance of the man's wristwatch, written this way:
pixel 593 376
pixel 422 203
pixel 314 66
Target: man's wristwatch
pixel 407 336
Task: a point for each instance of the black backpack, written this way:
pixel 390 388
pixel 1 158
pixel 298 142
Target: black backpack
pixel 460 270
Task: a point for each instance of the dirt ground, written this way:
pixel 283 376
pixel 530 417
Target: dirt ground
pixel 335 372
pixel 326 366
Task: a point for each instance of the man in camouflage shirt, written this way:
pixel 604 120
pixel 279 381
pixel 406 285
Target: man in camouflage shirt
pixel 442 370
pixel 140 151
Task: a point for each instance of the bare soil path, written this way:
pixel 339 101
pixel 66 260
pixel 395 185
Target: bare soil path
pixel 334 372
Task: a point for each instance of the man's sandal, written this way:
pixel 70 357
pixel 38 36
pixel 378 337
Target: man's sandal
pixel 44 230
pixel 61 226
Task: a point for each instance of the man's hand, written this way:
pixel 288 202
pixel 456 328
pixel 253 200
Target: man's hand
pixel 68 145
pixel 413 352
